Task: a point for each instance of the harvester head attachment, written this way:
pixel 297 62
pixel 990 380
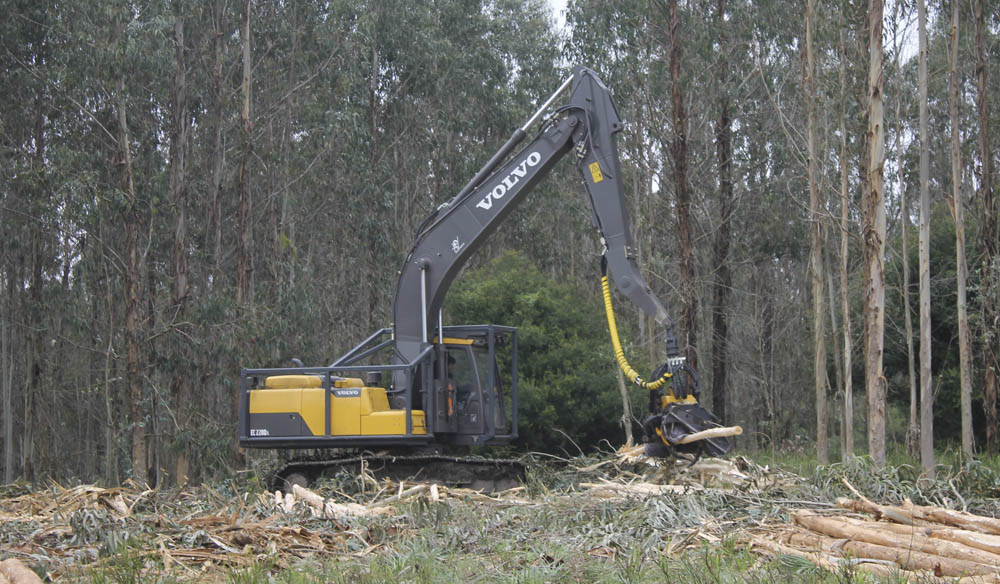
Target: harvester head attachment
pixel 675 428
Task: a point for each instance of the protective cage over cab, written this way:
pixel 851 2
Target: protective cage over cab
pixel 459 391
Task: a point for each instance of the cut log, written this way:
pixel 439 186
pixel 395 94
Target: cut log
pixel 403 494
pixel 837 527
pixel 962 519
pixel 333 510
pixel 14 572
pixel 611 489
pixel 711 433
pixel 836 564
pixel 974 539
pixel 879 511
pixel 911 514
pixel 906 559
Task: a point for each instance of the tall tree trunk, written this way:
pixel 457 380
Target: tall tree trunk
pixel 286 233
pixel 179 384
pixel 838 367
pixel 33 410
pixel 678 150
pixel 815 250
pixel 111 421
pixel 217 158
pixel 244 257
pixel 961 268
pixel 926 392
pixel 848 413
pixel 874 239
pixel 913 427
pixel 133 325
pixel 988 238
pixel 720 247
pixel 7 384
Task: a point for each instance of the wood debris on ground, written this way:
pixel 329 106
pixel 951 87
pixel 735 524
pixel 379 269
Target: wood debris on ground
pixel 207 533
pixel 58 530
pixel 914 542
pixel 632 472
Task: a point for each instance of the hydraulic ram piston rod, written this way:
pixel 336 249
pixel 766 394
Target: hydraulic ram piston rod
pixel 513 141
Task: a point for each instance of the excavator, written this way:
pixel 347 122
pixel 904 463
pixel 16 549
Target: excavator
pixel 409 390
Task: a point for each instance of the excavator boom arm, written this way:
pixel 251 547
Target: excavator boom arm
pixel 584 128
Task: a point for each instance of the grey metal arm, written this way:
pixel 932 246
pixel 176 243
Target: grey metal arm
pixel 586 127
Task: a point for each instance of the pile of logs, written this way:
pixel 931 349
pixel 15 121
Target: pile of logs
pixel 912 542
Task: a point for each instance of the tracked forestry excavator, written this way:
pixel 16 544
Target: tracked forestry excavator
pixel 406 391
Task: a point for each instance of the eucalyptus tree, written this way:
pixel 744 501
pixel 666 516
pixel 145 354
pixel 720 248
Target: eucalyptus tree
pixel 820 380
pixel 898 36
pixel 682 186
pixel 873 233
pixel 988 236
pixel 723 280
pixel 926 396
pixel 957 206
pixel 847 414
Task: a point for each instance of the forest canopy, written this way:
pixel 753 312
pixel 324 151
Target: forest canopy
pixel 189 188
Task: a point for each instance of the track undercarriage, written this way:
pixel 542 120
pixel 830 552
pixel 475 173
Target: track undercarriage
pixel 473 472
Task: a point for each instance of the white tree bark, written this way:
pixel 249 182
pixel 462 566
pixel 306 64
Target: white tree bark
pixel 815 250
pixel 957 210
pixel 926 394
pixel 848 438
pixel 873 233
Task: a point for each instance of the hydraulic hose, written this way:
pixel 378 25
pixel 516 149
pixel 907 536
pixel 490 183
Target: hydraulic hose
pixel 627 369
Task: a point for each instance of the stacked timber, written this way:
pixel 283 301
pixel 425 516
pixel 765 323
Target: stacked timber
pixel 913 542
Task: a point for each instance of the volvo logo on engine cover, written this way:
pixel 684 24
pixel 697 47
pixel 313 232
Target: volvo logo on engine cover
pixel 509 181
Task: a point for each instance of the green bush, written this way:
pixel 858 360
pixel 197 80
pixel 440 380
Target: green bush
pixel 565 363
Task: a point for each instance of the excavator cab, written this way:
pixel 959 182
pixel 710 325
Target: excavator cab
pixel 473 403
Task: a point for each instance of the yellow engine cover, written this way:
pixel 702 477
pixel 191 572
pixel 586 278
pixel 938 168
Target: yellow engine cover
pixel 289 402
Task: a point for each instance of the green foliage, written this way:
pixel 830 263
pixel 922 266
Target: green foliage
pixel 944 325
pixel 568 391
pixel 129 563
pixel 258 572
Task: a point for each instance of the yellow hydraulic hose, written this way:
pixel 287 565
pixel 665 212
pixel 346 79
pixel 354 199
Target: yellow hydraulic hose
pixel 632 374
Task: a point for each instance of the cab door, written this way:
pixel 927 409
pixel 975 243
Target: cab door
pixel 468 379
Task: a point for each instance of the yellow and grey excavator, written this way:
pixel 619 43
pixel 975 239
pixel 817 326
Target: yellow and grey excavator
pixel 457 385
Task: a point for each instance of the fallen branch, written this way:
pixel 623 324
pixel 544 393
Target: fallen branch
pixel 333 510
pixel 403 494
